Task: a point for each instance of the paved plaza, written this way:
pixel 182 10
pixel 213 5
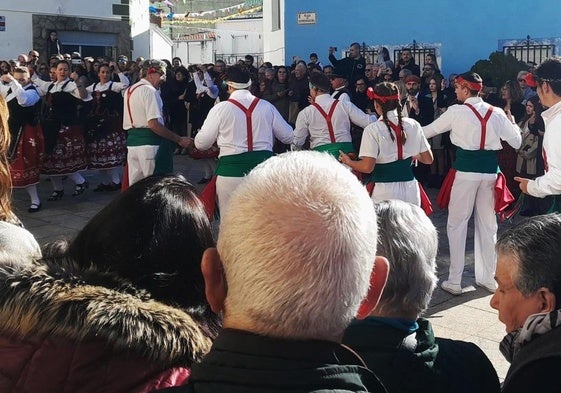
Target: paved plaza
pixel 468 317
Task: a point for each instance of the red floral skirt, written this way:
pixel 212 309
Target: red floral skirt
pixel 69 153
pixel 26 167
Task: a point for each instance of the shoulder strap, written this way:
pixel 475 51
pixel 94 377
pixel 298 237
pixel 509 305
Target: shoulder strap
pixel 399 139
pixel 129 93
pixel 483 121
pixel 95 84
pixel 340 93
pixel 65 84
pixel 248 112
pixel 327 117
pixel 50 87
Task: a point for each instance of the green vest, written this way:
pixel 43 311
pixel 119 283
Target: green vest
pixel 239 165
pixel 478 161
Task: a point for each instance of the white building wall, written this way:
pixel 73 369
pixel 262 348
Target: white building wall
pixel 81 9
pixel 18 36
pixel 273 41
pixel 140 28
pixel 239 37
pixel 160 44
pixel 194 52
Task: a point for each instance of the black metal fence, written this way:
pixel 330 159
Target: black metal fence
pixel 528 52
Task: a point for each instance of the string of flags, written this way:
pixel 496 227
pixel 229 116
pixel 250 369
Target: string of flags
pixel 211 16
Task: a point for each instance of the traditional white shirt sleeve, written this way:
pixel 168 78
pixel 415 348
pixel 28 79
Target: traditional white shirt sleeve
pixel 356 115
pixel 281 129
pixel 25 97
pixel 301 130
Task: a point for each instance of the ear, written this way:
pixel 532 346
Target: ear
pixel 215 282
pixel 378 279
pixel 547 299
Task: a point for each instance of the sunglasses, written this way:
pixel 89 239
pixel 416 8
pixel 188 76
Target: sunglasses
pixel 521 80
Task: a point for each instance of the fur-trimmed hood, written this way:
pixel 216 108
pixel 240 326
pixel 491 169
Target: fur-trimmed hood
pixel 76 304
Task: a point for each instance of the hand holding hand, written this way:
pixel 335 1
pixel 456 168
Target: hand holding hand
pixel 185 142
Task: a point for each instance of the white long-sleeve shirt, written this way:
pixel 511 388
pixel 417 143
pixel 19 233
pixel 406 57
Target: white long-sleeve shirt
pixel 25 97
pixel 226 124
pixel 465 127
pixel 206 85
pixel 116 86
pixel 311 122
pixel 43 87
pixel 550 182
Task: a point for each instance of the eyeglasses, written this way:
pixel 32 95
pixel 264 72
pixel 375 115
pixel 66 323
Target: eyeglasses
pixel 368 69
pixel 427 69
pixel 360 84
pixel 521 80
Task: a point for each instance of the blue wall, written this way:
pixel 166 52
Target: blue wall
pixel 467 31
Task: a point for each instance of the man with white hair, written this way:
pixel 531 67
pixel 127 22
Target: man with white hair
pixel 294 260
pixel 394 340
pixel 244 128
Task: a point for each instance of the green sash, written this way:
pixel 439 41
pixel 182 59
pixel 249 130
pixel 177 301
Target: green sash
pixel 142 137
pixel 333 148
pixel 478 161
pixel 146 137
pixel 391 172
pixel 239 165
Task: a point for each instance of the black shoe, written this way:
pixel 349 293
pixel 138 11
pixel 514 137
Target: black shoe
pixel 101 187
pixel 113 187
pixel 34 208
pixel 56 195
pixel 80 188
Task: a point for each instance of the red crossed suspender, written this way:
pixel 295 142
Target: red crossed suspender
pixel 327 117
pixel 399 134
pixel 248 112
pixel 483 121
pixel 129 93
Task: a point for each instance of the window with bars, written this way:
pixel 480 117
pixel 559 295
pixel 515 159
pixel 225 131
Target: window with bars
pixel 417 53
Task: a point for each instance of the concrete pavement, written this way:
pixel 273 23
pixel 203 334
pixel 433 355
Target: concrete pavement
pixel 468 317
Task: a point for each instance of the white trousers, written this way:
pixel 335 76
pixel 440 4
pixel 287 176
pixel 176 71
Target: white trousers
pixel 141 161
pixel 407 191
pixel 472 193
pixel 225 186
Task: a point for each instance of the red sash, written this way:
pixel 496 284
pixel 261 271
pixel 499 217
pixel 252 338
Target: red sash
pixel 327 117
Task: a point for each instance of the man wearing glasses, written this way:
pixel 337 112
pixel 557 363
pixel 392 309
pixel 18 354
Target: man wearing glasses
pixel 547 77
pixel 150 144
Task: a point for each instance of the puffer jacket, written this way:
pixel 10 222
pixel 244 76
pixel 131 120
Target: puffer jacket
pixel 65 329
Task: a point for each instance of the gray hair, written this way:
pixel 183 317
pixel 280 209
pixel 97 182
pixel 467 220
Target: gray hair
pixel 298 243
pixel 535 245
pixel 409 240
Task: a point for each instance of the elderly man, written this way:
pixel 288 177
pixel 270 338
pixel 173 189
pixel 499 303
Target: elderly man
pixel 477 129
pixel 548 79
pixel 294 260
pixel 528 299
pixel 150 144
pixel 244 127
pixel 394 340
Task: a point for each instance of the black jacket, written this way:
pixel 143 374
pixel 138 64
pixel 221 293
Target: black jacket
pixel 242 362
pixel 425 364
pixel 535 368
pixel 353 69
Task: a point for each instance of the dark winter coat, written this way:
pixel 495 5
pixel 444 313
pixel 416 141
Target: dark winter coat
pixel 65 329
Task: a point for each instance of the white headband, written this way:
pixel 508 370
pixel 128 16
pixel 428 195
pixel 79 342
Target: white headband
pixel 238 86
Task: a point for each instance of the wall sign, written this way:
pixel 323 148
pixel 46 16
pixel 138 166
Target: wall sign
pixel 2 23
pixel 306 18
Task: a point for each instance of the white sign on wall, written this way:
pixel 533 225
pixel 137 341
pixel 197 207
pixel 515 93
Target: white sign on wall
pixel 306 18
pixel 2 23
